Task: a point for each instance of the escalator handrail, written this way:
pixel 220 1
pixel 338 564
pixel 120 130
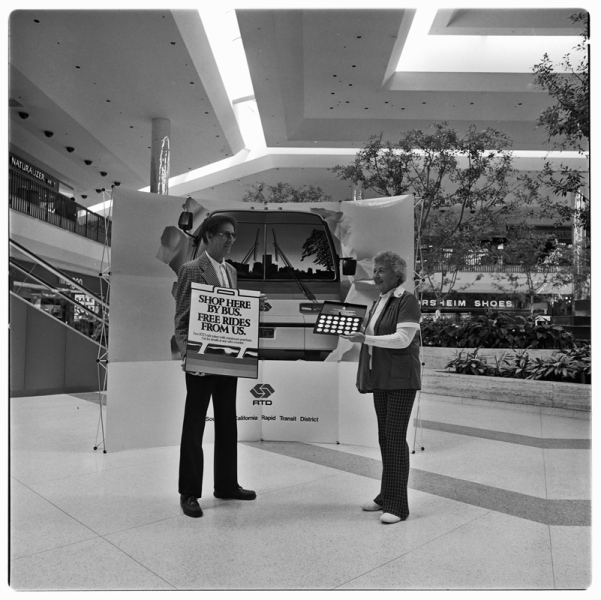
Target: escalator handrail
pixel 58 320
pixel 58 273
pixel 55 290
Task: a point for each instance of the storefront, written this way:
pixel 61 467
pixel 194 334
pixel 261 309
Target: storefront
pixel 460 306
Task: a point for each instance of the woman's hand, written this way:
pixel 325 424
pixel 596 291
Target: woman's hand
pixel 355 337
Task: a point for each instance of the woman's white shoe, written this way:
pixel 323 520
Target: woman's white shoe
pixel 371 505
pixel 388 518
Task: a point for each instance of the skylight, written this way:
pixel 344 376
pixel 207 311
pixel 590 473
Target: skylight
pixel 476 53
pixel 221 26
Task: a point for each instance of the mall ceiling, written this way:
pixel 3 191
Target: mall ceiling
pixel 85 86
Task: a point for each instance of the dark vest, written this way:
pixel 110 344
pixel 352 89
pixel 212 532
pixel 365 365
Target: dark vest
pixel 392 369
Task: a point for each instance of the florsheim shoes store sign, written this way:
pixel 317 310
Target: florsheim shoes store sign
pixel 472 302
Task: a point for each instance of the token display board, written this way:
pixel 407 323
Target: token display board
pixel 337 318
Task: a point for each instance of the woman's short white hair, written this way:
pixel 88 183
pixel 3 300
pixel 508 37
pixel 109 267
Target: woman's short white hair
pixel 394 262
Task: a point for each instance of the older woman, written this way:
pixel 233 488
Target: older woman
pixel 389 366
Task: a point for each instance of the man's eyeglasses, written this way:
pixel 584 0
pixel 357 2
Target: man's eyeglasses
pixel 227 235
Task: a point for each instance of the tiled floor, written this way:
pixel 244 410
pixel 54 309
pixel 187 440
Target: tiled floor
pixel 500 499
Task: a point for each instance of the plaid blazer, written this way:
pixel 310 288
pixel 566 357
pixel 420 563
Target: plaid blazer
pixel 199 270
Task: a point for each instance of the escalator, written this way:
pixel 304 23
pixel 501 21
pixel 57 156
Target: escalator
pixel 51 351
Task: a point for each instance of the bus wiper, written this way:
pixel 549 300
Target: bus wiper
pixel 253 250
pixel 280 253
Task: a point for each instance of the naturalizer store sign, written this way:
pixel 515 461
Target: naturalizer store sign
pixel 18 163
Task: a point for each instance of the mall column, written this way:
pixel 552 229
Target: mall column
pixel 160 155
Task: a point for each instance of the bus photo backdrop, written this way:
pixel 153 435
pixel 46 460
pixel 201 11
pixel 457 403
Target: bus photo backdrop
pixel 290 400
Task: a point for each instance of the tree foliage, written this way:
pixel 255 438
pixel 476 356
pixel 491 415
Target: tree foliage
pixel 318 247
pixel 568 120
pixel 284 192
pixel 465 189
pixel 568 125
pixel 545 266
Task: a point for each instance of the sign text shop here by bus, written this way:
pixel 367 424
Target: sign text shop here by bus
pixel 223 333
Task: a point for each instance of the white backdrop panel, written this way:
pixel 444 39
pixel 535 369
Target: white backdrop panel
pixel 304 402
pixel 145 405
pixel 140 392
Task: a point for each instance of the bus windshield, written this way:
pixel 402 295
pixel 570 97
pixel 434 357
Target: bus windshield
pixel 284 246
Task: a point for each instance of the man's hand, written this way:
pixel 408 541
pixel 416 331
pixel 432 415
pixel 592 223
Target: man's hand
pixel 263 304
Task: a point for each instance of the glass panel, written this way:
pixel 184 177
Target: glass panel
pixel 302 248
pixel 247 251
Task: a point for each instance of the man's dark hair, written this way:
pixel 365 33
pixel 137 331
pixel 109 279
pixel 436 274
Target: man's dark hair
pixel 211 225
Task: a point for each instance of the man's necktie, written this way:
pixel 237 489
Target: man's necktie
pixel 225 280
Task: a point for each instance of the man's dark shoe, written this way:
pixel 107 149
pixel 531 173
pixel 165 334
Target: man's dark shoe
pixel 190 506
pixel 238 494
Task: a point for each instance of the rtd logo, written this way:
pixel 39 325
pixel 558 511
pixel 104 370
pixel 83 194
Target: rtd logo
pixel 261 392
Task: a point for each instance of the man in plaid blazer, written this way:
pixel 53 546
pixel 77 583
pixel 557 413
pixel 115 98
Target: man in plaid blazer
pixel 218 233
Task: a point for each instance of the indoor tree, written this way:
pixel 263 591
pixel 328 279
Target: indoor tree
pixel 534 263
pixel 567 122
pixel 465 188
pixel 284 192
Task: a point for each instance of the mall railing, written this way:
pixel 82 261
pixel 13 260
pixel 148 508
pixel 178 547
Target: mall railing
pixel 36 200
pixel 500 268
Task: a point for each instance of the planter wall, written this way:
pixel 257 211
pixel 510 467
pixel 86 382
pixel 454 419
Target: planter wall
pixel 437 358
pixel 571 396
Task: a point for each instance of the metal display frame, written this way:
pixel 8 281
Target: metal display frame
pixel 102 359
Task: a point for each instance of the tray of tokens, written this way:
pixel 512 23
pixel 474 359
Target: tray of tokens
pixel 337 318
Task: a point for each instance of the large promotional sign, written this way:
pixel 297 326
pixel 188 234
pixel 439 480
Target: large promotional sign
pixel 223 335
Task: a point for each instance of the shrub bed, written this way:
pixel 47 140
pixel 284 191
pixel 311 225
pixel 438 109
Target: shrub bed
pixel 569 366
pixel 495 330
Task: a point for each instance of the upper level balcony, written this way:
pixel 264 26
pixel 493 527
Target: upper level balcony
pixel 30 197
pixel 55 227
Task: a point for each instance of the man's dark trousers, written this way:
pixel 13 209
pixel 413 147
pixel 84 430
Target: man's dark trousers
pixel 199 392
